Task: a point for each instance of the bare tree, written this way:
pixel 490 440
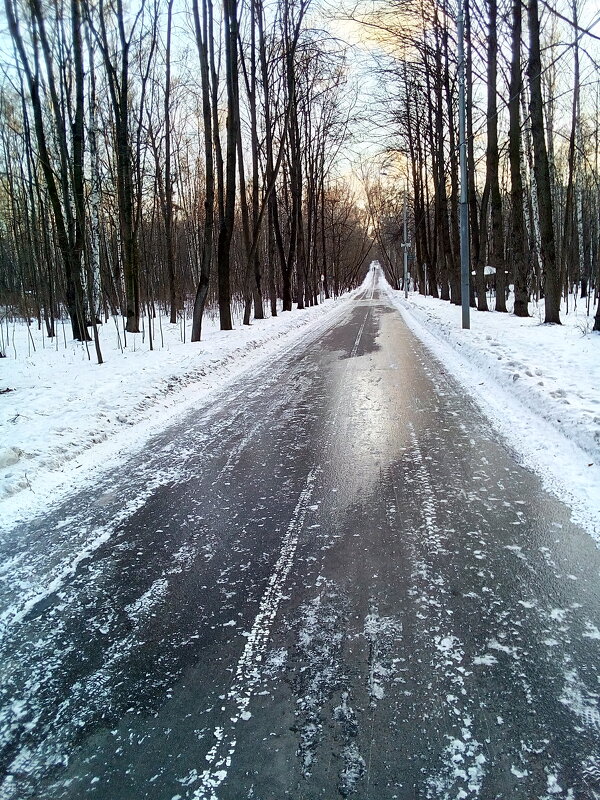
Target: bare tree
pixel 63 183
pixel 517 220
pixel 204 33
pixel 551 277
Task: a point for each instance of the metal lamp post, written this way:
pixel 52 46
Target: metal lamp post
pixel 464 208
pixel 405 247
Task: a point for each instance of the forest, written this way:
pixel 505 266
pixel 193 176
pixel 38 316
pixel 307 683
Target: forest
pixel 532 137
pixel 159 157
pixel 164 156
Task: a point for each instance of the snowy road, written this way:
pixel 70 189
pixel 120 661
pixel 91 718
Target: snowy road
pixel 337 583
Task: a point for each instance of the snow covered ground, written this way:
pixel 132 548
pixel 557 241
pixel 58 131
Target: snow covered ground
pixel 538 384
pixel 65 417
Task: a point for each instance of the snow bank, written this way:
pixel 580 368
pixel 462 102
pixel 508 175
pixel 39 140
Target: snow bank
pixel 537 383
pixel 57 403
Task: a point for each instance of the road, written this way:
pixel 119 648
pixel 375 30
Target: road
pixel 333 582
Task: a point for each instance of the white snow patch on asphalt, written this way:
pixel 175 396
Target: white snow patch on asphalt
pixel 519 773
pixel 487 660
pixel 354 769
pixel 537 384
pixel 464 766
pixel 494 644
pixel 183 559
pixel 143 606
pixel 580 701
pixel 382 633
pixel 553 785
pixel 591 631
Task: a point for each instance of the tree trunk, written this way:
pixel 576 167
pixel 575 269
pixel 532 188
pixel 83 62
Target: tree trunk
pixel 478 265
pixel 569 239
pixel 517 221
pixel 232 126
pixel 78 177
pixel 61 209
pixel 496 248
pixel 168 200
pixel 551 277
pixel 203 29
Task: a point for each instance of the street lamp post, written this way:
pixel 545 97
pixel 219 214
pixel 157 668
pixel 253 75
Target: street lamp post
pixel 405 247
pixel 464 208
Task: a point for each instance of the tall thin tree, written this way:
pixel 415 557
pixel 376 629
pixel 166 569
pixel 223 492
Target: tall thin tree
pixel 551 278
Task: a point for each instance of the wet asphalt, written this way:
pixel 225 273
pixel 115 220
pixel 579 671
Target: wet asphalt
pixel 333 582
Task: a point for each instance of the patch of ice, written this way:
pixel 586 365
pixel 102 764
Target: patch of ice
pixel 353 770
pixel 591 631
pixel 488 660
pixel 519 773
pixel 144 604
pixel 553 786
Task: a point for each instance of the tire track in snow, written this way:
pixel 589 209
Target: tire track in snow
pixel 247 672
pixel 320 640
pixel 323 675
pixel 373 287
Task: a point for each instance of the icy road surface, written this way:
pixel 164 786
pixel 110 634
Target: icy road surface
pixel 335 583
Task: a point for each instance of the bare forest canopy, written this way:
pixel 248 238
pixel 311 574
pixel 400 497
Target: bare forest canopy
pixel 179 155
pixel 163 155
pixel 532 131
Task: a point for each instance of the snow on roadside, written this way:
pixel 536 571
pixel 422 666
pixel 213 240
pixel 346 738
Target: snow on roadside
pixel 65 416
pixel 538 385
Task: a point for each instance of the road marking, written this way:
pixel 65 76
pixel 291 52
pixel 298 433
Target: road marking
pixel 354 350
pixel 247 673
pixel 373 282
